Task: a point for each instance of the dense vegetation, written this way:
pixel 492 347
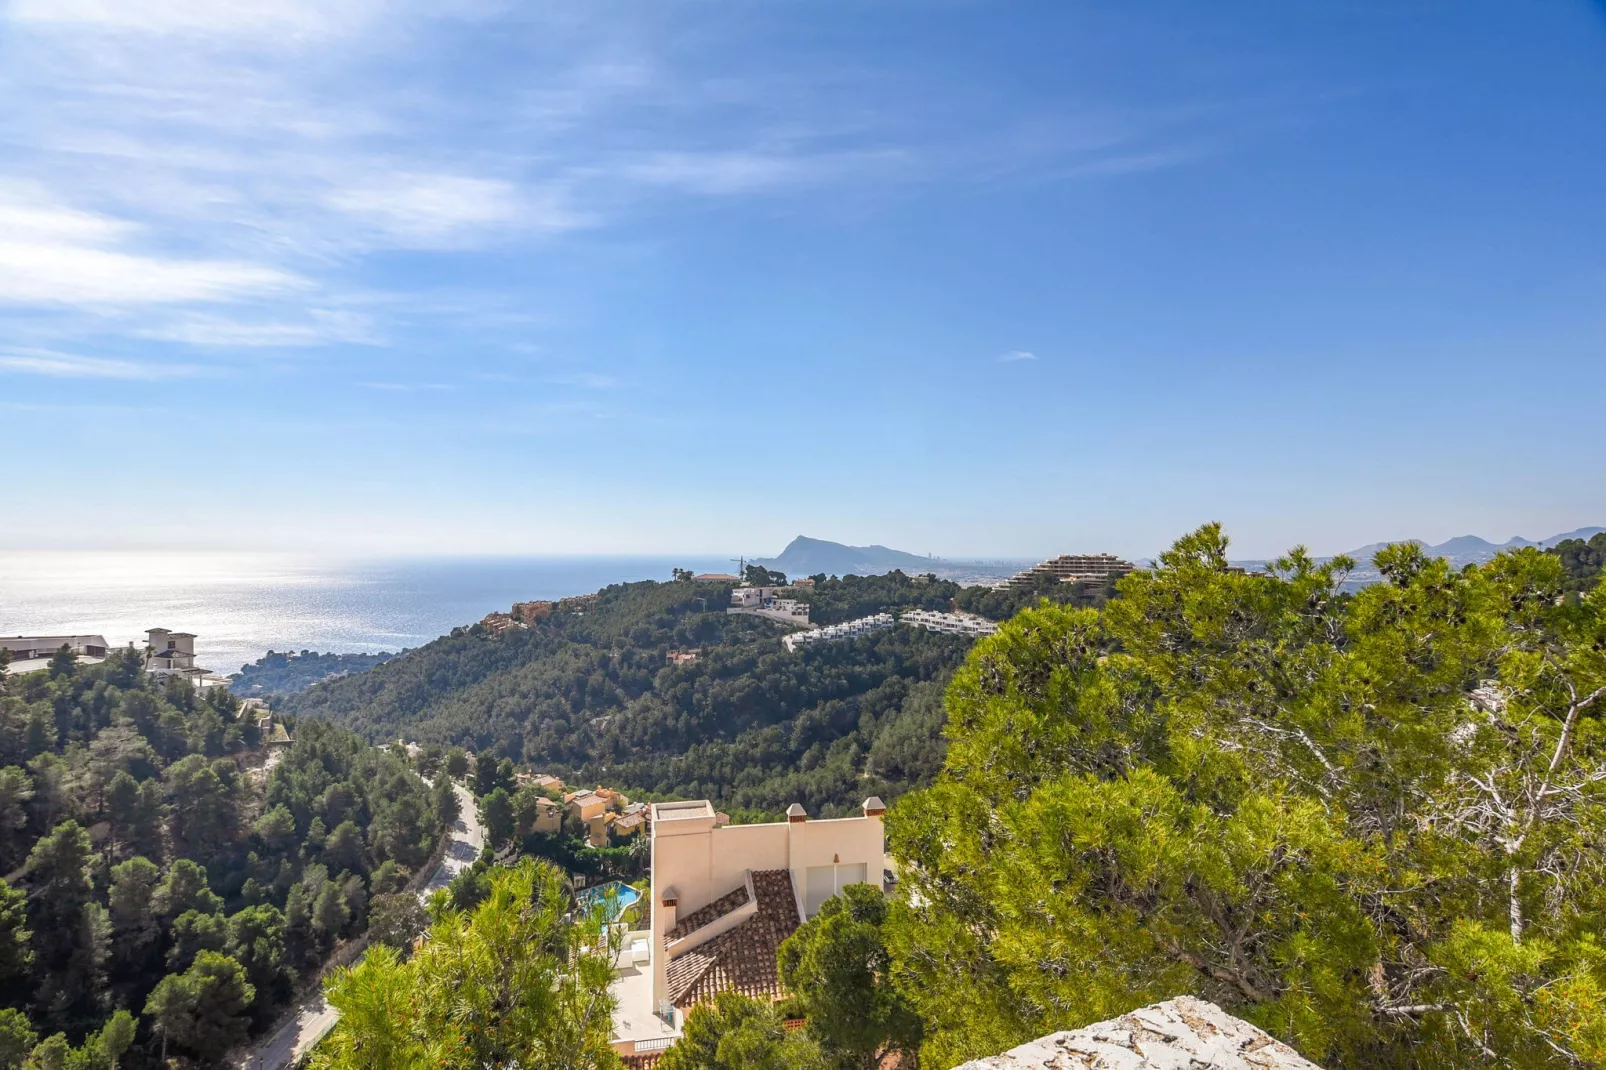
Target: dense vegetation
pixel 832 600
pixel 520 980
pixel 286 672
pixel 1372 825
pixel 1582 562
pixel 155 870
pixel 590 696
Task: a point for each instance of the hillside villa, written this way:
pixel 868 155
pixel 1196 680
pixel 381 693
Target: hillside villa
pixel 603 811
pixel 767 602
pixel 173 654
pixel 722 899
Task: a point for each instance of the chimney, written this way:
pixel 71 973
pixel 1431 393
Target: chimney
pixel 796 814
pixel 874 807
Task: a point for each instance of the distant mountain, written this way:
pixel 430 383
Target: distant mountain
pixel 1365 554
pixel 1582 534
pixel 804 556
pixel 1470 549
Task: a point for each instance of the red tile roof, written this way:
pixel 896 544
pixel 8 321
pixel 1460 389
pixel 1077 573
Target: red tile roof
pixel 743 959
pixel 707 915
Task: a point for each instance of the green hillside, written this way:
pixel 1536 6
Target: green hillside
pixel 166 887
pixel 1582 562
pixel 591 695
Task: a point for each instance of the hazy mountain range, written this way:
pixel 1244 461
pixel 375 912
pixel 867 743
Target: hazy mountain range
pixel 1468 549
pixel 804 556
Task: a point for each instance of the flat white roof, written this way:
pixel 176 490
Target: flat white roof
pixel 17 668
pixel 679 811
pixel 17 642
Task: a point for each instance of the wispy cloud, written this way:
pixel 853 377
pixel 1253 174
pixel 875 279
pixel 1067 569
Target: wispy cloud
pixel 434 210
pixel 587 381
pixel 319 327
pixel 268 153
pixel 744 171
pixel 407 388
pixel 1015 355
pixel 297 18
pixel 55 255
pixel 69 366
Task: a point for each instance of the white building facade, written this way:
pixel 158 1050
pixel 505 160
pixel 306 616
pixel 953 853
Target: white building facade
pixel 171 653
pixel 949 623
pixel 846 630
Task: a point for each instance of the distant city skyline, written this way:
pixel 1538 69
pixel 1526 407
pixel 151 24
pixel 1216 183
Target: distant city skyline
pixel 962 278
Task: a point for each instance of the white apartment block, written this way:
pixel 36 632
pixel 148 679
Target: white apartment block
pixel 846 630
pixel 950 623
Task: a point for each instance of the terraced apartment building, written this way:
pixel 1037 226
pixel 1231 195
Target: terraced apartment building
pixel 1098 569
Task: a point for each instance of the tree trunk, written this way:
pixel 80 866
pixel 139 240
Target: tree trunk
pixel 1514 902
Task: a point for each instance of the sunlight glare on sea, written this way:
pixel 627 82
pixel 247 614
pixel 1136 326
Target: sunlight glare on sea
pixel 242 605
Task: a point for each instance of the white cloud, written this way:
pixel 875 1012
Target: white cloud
pixel 210 17
pixel 36 273
pixel 22 218
pixel 716 173
pixel 586 380
pixel 51 254
pixel 426 210
pixel 208 151
pixel 68 366
pixel 1016 354
pixel 406 388
pixel 321 328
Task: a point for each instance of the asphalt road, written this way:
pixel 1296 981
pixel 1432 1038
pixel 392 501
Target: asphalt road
pixel 315 1017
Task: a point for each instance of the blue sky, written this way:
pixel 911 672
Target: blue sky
pixel 969 278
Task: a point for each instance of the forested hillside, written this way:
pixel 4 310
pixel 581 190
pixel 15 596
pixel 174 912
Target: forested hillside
pixel 163 890
pixel 285 673
pixel 1372 824
pixel 1582 562
pixel 747 724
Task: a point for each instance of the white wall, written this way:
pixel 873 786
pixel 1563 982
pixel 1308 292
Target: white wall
pixel 738 848
pixel 848 841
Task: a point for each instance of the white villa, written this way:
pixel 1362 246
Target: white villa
pixel 723 898
pixel 766 602
pixel 173 654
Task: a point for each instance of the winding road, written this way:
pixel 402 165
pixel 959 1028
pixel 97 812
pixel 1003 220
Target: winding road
pixel 315 1017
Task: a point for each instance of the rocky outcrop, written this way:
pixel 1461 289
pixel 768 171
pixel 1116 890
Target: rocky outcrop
pixel 1179 1034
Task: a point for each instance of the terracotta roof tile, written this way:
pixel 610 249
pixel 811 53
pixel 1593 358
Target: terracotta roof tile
pixel 707 915
pixel 743 959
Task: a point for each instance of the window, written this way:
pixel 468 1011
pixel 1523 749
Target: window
pixel 822 882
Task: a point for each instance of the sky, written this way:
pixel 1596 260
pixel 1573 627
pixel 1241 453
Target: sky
pixel 979 279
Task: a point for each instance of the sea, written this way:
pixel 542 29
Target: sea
pixel 240 606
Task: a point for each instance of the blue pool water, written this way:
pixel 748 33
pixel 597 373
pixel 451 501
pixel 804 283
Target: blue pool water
pixel 622 895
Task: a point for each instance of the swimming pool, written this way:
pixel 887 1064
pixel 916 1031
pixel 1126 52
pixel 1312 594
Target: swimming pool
pixel 615 895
